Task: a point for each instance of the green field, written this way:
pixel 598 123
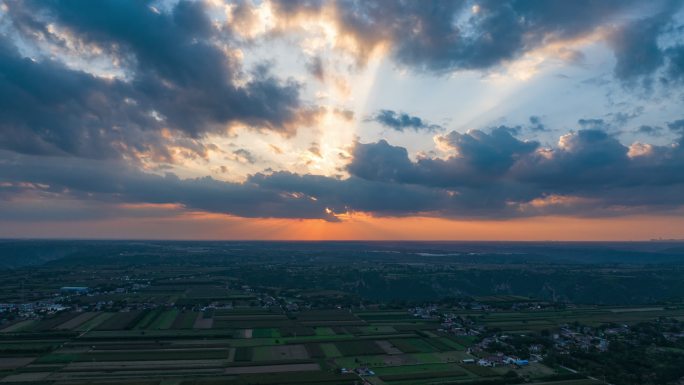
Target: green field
pixel 358 348
pixel 164 320
pixel 330 350
pixel 265 333
pixel 324 331
pixel 419 374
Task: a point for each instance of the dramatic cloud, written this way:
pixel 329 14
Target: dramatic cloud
pixel 127 103
pixel 490 175
pixel 176 77
pixel 283 195
pixel 440 36
pixel 399 121
pixel 641 52
pixel 381 162
pixel 479 158
pixel 636 48
pixel 47 108
pixel 501 172
pixel 492 153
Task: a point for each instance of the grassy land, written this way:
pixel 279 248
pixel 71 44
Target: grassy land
pixel 164 320
pixel 330 350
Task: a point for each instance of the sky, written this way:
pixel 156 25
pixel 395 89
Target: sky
pixel 312 120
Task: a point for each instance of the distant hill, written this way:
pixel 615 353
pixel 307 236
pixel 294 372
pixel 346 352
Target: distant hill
pixel 19 253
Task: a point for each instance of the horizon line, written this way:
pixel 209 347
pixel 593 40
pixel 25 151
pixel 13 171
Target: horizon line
pixel 651 240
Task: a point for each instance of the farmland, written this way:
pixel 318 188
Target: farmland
pixel 165 319
pixel 160 344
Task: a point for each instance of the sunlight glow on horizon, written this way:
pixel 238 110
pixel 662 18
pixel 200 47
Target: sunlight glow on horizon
pixel 358 226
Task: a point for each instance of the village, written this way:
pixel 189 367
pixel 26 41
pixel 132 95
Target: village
pixel 468 322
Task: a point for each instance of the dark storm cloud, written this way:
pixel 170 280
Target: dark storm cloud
pixel 399 121
pixel 178 79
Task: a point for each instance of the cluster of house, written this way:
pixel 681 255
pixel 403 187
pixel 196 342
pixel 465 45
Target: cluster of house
pixel 286 304
pixel 484 343
pixel 32 309
pixel 584 338
pixel 74 290
pixel 459 326
pixel 216 305
pixel 424 312
pixel 37 309
pixel 62 301
pixel 362 371
pixel 671 336
pixel 268 300
pixel 498 359
pixel 84 290
pixel 527 306
pixel 616 330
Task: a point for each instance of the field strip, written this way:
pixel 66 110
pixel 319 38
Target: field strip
pixel 77 321
pixel 272 368
pixel 14 362
pixel 169 364
pixel 636 309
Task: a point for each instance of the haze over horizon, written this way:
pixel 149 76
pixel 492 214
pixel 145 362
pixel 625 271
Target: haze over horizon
pixel 342 120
